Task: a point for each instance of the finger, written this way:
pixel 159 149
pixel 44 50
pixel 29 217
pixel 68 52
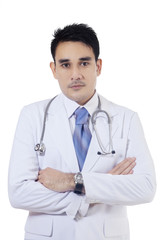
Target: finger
pixel 40 172
pixel 116 169
pixel 122 166
pixel 131 172
pixel 38 178
pixel 126 162
pixel 41 182
pixel 129 169
pixel 119 168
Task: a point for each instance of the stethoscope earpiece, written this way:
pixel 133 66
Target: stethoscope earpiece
pixel 99 153
pixel 112 152
pixel 40 147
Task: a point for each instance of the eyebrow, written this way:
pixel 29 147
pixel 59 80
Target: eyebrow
pixel 85 59
pixel 65 60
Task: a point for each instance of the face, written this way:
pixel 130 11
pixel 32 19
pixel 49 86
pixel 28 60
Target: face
pixel 76 70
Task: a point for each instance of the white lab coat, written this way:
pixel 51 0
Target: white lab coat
pixel 100 214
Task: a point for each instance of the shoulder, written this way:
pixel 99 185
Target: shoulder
pixel 40 106
pixel 114 108
pixel 33 114
pixel 121 113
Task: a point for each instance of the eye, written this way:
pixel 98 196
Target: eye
pixel 65 65
pixel 84 64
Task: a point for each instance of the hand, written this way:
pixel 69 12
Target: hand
pixel 124 168
pixel 56 180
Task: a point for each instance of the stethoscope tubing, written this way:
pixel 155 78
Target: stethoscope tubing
pixel 40 147
pixel 45 118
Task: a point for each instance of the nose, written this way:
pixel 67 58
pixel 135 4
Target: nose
pixel 76 74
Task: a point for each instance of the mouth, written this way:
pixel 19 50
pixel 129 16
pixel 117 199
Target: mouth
pixel 77 86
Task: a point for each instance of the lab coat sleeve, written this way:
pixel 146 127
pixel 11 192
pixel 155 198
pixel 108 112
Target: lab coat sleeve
pixel 130 189
pixel 24 191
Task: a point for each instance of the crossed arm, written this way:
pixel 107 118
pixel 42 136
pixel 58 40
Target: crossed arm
pixel 63 182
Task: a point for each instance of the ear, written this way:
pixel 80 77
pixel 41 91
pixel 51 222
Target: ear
pixel 99 66
pixel 53 69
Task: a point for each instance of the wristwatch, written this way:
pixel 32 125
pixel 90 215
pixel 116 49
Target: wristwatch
pixel 78 180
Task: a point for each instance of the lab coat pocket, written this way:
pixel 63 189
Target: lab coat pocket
pixel 39 224
pixel 51 159
pixel 116 227
pixel 106 162
pixel 120 147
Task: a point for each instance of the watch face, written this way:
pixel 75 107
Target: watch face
pixel 79 178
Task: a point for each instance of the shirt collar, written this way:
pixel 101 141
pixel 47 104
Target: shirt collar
pixel 71 105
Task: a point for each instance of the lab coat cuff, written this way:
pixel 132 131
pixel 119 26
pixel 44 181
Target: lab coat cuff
pixel 74 206
pixel 83 207
pixel 89 189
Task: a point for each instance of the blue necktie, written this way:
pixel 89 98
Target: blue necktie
pixel 82 135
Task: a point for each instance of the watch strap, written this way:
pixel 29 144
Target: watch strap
pixel 78 188
pixel 78 179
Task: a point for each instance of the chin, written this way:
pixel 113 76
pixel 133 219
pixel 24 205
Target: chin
pixel 81 101
pixel 78 99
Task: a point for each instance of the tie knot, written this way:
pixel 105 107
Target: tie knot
pixel 81 116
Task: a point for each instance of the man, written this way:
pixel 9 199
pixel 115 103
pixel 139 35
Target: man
pixel 80 187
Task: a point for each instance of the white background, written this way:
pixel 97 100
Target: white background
pixel 129 34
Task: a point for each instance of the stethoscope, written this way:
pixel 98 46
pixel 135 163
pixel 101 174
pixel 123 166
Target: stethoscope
pixel 41 148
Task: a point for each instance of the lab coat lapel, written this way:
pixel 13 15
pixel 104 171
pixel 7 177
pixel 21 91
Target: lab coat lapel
pixel 59 124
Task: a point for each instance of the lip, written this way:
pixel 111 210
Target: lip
pixel 77 86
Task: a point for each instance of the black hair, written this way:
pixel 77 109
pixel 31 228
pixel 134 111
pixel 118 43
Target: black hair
pixel 76 33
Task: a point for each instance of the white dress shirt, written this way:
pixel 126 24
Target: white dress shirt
pixel 71 106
